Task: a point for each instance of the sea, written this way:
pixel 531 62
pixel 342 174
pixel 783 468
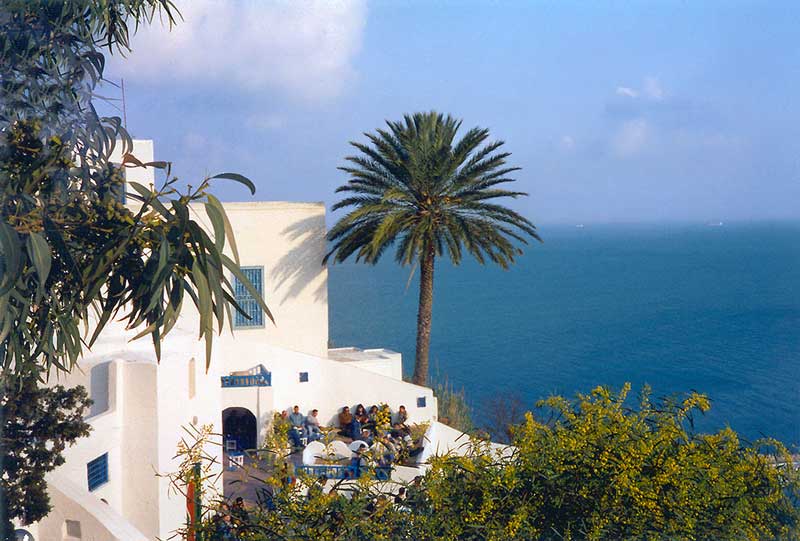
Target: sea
pixel 679 307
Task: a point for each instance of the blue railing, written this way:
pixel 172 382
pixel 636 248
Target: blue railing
pixel 333 471
pixel 260 379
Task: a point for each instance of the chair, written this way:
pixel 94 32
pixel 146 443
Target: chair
pixel 235 460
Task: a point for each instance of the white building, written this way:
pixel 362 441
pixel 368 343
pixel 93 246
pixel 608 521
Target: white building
pixel 109 489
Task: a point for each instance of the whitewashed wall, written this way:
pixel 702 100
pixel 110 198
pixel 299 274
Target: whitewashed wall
pixel 288 241
pixel 140 415
pixel 333 384
pixel 148 406
pixel 96 520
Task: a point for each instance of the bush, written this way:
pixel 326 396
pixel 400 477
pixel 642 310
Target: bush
pixel 598 469
pixel 453 409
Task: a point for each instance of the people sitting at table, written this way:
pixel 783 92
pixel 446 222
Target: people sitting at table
pixel 313 433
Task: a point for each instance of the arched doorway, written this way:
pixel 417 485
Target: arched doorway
pixel 239 425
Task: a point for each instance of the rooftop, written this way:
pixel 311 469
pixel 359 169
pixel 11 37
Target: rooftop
pixel 353 354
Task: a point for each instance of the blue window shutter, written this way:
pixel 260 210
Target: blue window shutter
pixel 248 303
pixel 97 471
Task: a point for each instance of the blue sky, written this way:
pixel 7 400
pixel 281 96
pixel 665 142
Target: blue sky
pixel 616 111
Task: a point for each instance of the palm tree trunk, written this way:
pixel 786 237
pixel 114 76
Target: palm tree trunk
pixel 424 317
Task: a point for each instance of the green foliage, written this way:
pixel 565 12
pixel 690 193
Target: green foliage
pixel 72 257
pixel 453 408
pixel 70 248
pixel 417 186
pixel 37 425
pixel 599 468
pixel 603 470
pixel 276 440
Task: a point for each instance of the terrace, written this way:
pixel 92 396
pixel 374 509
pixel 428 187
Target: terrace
pixel 257 376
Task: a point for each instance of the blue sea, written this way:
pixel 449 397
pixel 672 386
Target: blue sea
pixel 679 307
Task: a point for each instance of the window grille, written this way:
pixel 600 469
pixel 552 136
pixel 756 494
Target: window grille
pixel 97 471
pixel 248 303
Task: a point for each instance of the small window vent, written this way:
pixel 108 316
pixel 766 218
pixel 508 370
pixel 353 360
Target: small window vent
pixel 97 471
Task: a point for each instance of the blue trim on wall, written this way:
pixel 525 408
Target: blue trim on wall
pixel 97 472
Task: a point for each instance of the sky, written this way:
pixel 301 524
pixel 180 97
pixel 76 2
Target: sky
pixel 617 111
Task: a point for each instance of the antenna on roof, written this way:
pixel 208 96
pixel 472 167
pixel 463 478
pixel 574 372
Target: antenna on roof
pixel 110 101
pixel 124 108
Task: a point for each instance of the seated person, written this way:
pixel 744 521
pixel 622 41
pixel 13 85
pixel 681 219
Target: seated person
pixel 361 414
pixel 359 420
pixel 416 448
pixel 357 462
pixel 293 435
pixel 388 452
pixel 372 417
pixel 297 430
pixel 346 421
pixel 401 416
pixel 312 426
pixel 366 435
pixel 400 431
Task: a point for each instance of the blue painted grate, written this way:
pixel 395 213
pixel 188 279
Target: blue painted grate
pixel 335 471
pixel 260 379
pixel 97 471
pixel 248 303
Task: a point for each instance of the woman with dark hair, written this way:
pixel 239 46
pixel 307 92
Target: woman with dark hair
pixel 361 414
pixel 373 414
pixel 360 418
pixel 372 417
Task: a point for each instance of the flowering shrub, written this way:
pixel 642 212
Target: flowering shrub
pixel 600 468
pixel 383 419
pixel 277 439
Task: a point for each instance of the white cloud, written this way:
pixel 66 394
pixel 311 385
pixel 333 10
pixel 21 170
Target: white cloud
pixel 652 89
pixel 304 49
pixel 627 91
pixel 567 142
pixel 631 137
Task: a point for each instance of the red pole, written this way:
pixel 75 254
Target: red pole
pixel 190 510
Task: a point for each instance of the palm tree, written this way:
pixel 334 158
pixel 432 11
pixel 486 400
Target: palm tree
pixel 416 187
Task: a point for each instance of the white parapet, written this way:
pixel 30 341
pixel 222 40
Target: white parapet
pixel 379 360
